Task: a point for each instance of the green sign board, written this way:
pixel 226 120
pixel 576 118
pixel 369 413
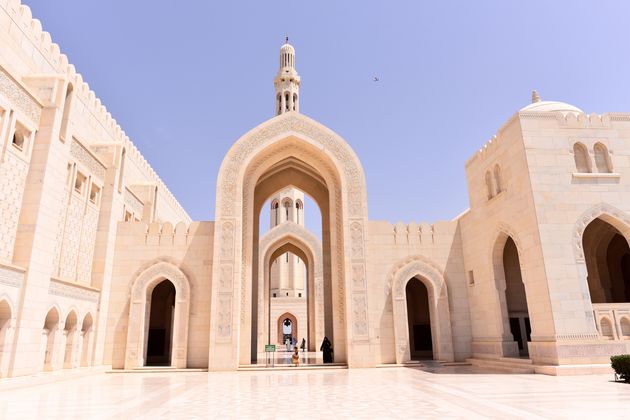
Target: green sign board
pixel 270 348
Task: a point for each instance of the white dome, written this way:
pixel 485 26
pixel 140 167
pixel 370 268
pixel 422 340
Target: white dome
pixel 551 106
pixel 287 48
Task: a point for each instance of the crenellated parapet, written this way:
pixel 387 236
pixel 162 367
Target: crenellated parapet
pixel 422 234
pixel 45 59
pixel 163 234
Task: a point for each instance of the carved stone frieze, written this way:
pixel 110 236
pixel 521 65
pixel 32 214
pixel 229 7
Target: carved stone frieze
pixel 81 154
pixel 73 292
pixel 11 278
pixel 132 202
pixel 19 97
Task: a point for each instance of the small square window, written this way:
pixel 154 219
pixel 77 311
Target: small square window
pixel 95 193
pixel 79 183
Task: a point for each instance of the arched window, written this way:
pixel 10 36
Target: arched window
pixel 279 103
pixel 286 101
pixel 582 159
pixel 295 102
pixel 66 111
pixel 298 210
pixel 287 210
pixel 497 179
pixel 602 159
pixel 274 208
pixel 123 155
pixel 489 185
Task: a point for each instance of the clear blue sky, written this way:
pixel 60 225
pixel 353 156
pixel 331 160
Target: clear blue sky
pixel 185 79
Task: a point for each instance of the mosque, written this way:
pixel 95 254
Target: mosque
pixel 100 266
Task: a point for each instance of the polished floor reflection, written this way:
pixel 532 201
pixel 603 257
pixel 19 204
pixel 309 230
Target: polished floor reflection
pixel 410 393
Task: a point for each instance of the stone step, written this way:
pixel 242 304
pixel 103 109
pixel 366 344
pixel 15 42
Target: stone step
pixel 504 364
pixel 155 369
pixel 289 367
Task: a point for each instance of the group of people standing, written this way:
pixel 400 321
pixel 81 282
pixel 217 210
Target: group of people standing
pixel 326 349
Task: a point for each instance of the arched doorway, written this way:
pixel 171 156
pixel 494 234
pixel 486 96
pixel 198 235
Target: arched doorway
pixel 298 241
pixel 419 320
pixel 69 331
pixel 161 314
pixel 175 343
pixel 86 333
pixel 5 336
pixel 49 335
pixel 513 326
pixel 287 328
pixel 417 286
pixel 515 297
pixel 289 150
pixel 607 257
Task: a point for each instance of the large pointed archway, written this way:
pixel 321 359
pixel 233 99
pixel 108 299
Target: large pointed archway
pixel 290 149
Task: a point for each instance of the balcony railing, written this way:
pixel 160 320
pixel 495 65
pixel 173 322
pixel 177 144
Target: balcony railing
pixel 613 320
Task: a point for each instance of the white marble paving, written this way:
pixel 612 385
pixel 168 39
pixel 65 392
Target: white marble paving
pixel 460 392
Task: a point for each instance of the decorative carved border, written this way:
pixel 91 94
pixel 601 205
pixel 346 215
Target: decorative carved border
pixel 132 202
pixel 19 97
pixel 82 155
pixel 64 289
pixel 10 277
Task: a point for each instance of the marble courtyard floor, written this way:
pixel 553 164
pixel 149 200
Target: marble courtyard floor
pixel 408 393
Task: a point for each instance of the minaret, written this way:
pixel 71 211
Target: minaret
pixel 287 272
pixel 287 81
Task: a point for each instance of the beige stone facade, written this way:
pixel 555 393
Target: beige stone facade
pixel 101 266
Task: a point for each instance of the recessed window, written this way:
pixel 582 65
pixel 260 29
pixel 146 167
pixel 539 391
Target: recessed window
pixel 79 183
pixel 95 193
pixel 299 294
pixel 471 278
pixel 128 216
pixel 274 295
pixel 18 140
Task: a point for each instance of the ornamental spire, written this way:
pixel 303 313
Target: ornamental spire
pixel 287 81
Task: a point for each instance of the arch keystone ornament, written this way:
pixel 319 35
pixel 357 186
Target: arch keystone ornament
pixel 422 269
pixel 140 308
pixel 298 142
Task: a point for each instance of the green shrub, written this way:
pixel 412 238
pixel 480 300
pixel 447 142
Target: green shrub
pixel 621 365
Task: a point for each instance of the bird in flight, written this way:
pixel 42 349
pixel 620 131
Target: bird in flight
pixel 376 79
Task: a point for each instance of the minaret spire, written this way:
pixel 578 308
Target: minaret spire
pixel 287 81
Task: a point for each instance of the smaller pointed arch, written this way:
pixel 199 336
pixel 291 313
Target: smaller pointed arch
pixel 497 179
pixel 582 158
pixel 489 185
pixel 602 158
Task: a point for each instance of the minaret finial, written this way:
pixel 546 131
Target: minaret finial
pixel 287 81
pixel 535 97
